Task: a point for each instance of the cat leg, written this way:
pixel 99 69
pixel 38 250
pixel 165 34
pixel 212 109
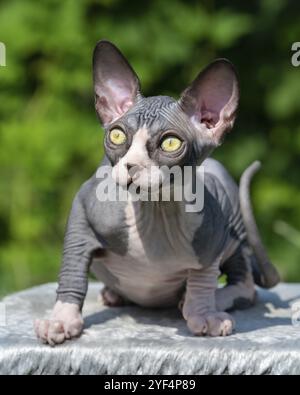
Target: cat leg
pixel 239 293
pixel 80 244
pixel 236 297
pixel 233 297
pixel 199 306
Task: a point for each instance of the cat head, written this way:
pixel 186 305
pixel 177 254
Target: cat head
pixel 150 132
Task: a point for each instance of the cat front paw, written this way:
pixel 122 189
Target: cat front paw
pixel 211 324
pixel 65 323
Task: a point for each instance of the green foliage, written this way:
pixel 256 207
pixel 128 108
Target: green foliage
pixel 51 141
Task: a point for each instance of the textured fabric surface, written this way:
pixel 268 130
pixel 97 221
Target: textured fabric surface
pixel 132 340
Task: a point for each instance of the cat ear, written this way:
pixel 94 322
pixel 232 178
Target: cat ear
pixel 115 83
pixel 212 99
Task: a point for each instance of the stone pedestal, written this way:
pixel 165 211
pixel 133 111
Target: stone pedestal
pixel 132 340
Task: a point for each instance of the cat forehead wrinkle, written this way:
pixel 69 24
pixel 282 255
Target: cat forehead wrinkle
pixel 149 110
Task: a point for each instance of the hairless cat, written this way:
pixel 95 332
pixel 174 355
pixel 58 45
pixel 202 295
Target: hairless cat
pixel 156 253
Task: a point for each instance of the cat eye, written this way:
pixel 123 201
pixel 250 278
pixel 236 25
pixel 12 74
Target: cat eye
pixel 171 144
pixel 117 136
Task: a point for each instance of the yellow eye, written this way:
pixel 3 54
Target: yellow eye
pixel 117 137
pixel 171 144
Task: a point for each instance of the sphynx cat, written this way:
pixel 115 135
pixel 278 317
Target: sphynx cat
pixel 156 253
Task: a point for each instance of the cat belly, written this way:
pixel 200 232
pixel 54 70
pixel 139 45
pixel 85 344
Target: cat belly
pixel 159 254
pixel 149 284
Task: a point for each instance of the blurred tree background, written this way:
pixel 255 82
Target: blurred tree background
pixel 51 141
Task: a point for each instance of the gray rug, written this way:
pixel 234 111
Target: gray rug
pixel 133 340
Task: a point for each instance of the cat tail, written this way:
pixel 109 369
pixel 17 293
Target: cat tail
pixel 268 276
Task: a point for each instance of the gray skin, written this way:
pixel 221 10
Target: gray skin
pixel 156 254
